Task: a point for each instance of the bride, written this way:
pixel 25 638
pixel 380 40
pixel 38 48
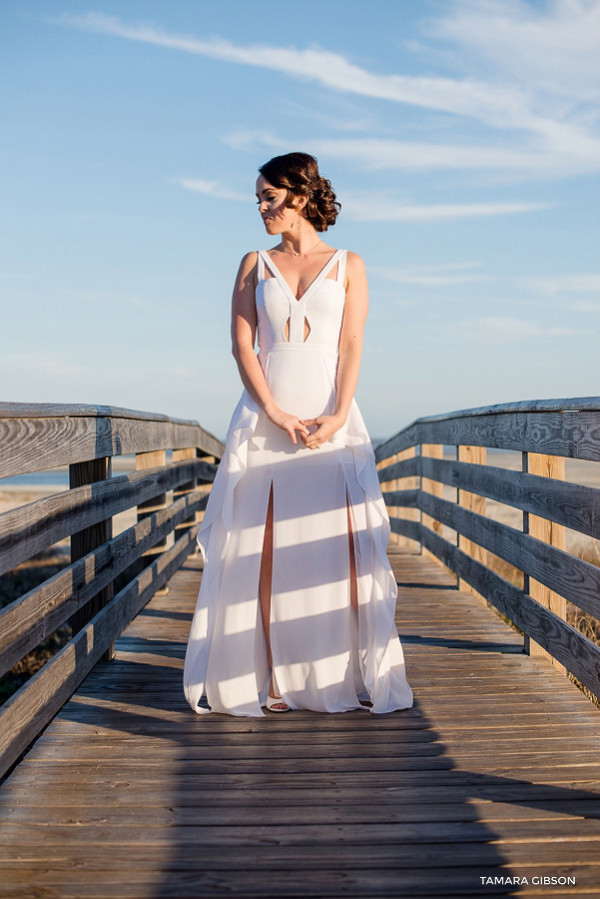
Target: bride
pixel 296 605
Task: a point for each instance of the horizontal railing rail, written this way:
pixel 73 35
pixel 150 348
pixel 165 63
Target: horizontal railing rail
pixel 109 578
pixel 413 473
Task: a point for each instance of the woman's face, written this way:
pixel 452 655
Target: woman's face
pixel 276 216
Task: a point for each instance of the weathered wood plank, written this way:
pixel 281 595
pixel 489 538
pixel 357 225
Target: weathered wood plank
pixel 405 468
pixel 89 539
pixel 29 529
pixel 548 532
pixel 568 504
pixel 398 443
pixel 474 502
pixel 405 499
pixel 39 437
pixel 571 433
pixel 304 880
pixel 406 528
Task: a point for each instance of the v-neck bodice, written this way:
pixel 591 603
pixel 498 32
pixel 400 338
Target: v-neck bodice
pixel 284 319
pixel 320 276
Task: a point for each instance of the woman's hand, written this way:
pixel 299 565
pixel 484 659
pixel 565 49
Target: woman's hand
pixel 322 428
pixel 288 423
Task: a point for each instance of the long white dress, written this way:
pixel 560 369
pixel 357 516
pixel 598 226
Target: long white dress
pixel 325 656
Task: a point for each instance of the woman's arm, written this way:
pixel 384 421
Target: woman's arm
pixel 243 333
pixel 350 349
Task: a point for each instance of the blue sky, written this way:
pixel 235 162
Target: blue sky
pixel 462 139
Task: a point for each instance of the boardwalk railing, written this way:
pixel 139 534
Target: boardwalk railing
pixel 110 578
pixel 414 473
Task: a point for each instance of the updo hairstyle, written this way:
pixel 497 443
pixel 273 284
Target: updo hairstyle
pixel 298 173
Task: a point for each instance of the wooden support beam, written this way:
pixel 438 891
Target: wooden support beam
pixel 180 455
pixel 474 455
pixel 548 532
pixel 89 539
pixel 154 459
pixel 431 451
pixel 406 513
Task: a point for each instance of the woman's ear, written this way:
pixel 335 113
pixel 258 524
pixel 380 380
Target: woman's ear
pixel 299 203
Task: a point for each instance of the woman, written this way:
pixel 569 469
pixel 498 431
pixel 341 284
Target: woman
pixel 296 605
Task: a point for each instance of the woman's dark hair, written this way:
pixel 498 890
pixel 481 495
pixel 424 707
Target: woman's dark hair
pixel 298 173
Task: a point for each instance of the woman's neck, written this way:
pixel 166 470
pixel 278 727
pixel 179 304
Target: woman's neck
pixel 300 243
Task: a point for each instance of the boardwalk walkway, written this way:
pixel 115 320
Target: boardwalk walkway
pixel 495 772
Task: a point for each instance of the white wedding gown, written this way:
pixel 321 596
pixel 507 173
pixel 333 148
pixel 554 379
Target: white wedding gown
pixel 325 657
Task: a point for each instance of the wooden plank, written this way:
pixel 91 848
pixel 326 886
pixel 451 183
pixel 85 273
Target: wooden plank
pixel 405 466
pixel 550 533
pixel 82 410
pixel 404 480
pixel 572 432
pixel 304 881
pixel 181 455
pixel 404 440
pixel 568 504
pixel 31 528
pixel 471 455
pixel 35 442
pixel 401 499
pixel 89 539
pixel 406 528
pixel 432 488
pixel 395 855
pixel 155 503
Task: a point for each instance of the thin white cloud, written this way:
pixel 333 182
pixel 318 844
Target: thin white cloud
pixel 499 105
pixel 386 153
pixel 467 97
pixel 500 329
pixel 572 283
pixel 430 275
pixel 211 189
pixel 552 46
pixel 396 154
pixel 381 209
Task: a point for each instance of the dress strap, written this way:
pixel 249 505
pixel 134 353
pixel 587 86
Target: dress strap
pixel 260 266
pixel 341 272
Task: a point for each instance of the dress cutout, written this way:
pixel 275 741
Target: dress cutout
pixel 325 656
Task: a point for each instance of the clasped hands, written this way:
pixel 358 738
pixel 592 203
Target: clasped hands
pixel 312 431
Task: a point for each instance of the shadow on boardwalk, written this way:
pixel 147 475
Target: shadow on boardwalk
pixel 495 772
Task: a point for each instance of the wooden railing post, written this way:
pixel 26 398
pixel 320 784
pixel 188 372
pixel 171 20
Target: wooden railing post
pixel 474 503
pixel 83 542
pixel 154 459
pixel 393 485
pixel 548 532
pixel 431 451
pixel 403 512
pixel 180 455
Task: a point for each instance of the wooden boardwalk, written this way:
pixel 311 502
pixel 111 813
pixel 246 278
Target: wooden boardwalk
pixel 495 772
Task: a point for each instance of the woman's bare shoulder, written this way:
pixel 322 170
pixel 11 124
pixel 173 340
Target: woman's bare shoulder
pixel 354 260
pixel 354 264
pixel 249 260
